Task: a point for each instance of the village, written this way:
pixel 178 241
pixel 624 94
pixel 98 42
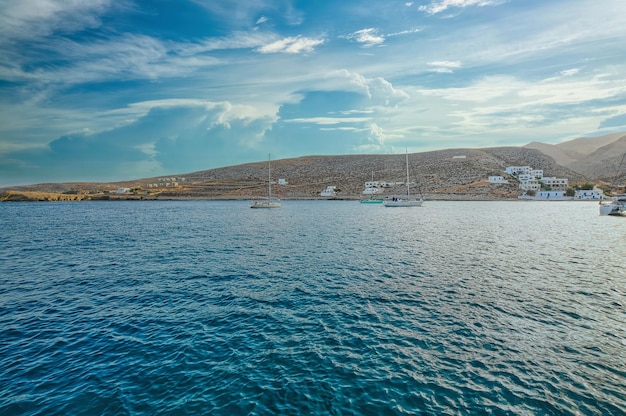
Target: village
pixel 532 185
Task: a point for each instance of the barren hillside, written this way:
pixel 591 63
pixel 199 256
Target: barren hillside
pixel 443 174
pixel 606 163
pixel 592 157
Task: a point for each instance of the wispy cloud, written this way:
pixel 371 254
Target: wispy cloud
pixel 237 13
pixel 327 120
pixel 403 32
pixel 378 90
pixel 292 45
pixel 368 37
pixel 439 6
pixel 20 19
pixel 570 72
pixel 444 66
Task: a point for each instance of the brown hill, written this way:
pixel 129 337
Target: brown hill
pixel 596 158
pixel 606 163
pixel 442 174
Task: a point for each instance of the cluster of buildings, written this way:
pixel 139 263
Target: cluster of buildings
pixel 166 182
pixel 544 187
pixel 532 184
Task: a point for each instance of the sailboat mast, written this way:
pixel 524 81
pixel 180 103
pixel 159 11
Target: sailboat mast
pixel 407 172
pixel 269 177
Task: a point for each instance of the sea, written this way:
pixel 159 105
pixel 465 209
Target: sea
pixel 316 308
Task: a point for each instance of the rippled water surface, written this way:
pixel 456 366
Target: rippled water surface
pixel 320 307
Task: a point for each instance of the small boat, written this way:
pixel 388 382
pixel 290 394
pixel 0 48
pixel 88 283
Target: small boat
pixel 615 206
pixel 372 200
pixel 269 202
pixel 405 201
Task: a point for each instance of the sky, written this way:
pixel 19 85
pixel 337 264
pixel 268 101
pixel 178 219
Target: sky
pixel 110 90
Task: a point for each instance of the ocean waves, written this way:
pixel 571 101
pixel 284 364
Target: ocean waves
pixel 342 309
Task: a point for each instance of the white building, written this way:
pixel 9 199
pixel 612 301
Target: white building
pixel 497 179
pixel 593 194
pixel 516 170
pixel 282 181
pixel 371 191
pixel 329 191
pixel 122 191
pixel 552 182
pixel 527 171
pixel 555 194
pixel 532 185
pixel 525 177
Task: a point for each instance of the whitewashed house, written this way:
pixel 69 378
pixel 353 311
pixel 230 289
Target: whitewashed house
pixel 589 194
pixel 516 170
pixel 552 195
pixel 530 185
pixel 497 179
pixel 552 182
pixel 329 191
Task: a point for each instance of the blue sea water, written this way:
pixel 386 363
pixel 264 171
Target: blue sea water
pixel 320 307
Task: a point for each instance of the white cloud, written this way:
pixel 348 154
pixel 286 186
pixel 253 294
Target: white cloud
pixel 377 134
pixel 327 120
pixel 439 6
pixel 403 32
pixel 378 90
pixel 292 45
pixel 570 72
pixel 444 66
pixel 368 37
pixel 27 19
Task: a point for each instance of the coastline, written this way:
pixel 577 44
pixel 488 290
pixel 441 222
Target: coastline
pixel 34 196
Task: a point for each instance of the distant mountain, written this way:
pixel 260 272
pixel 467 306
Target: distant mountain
pixel 606 163
pixel 595 158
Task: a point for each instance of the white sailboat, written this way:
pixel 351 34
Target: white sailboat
pixel 269 202
pixel 405 201
pixel 617 204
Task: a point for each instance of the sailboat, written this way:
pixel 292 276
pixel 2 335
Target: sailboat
pixel 405 201
pixel 269 202
pixel 617 204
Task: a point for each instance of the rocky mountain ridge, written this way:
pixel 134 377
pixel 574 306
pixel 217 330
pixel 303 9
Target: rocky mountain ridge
pixel 597 159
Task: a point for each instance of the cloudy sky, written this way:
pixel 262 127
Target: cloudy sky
pixel 105 90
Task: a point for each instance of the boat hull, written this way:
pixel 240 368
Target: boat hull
pixel 612 209
pixel 616 207
pixel 265 204
pixel 399 203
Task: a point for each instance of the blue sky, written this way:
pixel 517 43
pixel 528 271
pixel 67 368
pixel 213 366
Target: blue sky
pixel 107 90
